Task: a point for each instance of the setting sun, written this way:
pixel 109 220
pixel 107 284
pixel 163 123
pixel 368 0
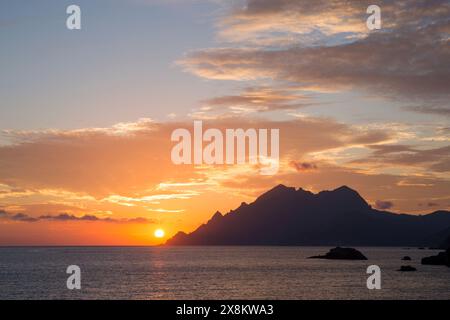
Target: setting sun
pixel 159 233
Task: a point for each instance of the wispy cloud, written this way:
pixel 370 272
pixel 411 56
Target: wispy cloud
pixel 431 159
pixel 436 110
pixel 130 201
pixel 303 166
pixel 258 99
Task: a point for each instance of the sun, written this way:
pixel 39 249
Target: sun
pixel 159 233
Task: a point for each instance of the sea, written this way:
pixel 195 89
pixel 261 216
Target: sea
pixel 215 272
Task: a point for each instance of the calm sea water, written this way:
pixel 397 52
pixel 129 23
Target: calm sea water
pixel 215 273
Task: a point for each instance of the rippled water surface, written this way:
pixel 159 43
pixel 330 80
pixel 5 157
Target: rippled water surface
pixel 215 273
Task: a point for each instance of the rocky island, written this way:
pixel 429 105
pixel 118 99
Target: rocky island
pixel 339 253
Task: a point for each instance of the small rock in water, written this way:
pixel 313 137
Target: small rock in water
pixel 406 258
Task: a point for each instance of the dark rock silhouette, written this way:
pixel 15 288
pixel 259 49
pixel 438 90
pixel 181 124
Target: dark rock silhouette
pixel 289 216
pixel 407 268
pixel 406 258
pixel 443 258
pixel 339 253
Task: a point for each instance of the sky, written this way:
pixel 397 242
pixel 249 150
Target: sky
pixel 86 115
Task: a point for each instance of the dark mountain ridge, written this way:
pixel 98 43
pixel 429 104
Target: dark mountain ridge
pixel 289 216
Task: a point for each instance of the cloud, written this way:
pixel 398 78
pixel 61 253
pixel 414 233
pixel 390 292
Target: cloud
pixel 258 99
pixel 165 210
pixel 386 71
pixel 383 149
pixel 258 19
pixel 433 159
pixel 98 162
pixel 130 201
pixel 383 205
pixel 408 59
pixel 432 204
pixel 303 166
pixel 21 217
pixel 440 111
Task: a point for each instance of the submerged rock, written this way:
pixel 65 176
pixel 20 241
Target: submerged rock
pixel 443 258
pixel 339 253
pixel 407 268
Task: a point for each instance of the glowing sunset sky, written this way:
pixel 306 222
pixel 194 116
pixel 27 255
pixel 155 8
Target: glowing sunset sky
pixel 86 116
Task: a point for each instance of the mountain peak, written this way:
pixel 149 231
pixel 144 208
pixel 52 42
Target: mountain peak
pixel 275 192
pixel 216 216
pixel 346 197
pixel 345 188
pixel 279 187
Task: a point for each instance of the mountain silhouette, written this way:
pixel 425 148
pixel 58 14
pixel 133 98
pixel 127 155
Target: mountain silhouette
pixel 289 216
